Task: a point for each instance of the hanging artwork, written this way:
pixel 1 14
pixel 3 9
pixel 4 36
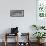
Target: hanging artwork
pixel 17 13
pixel 41 8
pixel 41 12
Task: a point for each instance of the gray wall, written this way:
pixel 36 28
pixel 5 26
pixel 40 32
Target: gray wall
pixel 23 23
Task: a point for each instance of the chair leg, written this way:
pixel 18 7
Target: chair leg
pixel 5 39
pixel 17 41
pixel 5 43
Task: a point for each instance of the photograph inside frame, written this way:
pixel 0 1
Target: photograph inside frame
pixel 17 13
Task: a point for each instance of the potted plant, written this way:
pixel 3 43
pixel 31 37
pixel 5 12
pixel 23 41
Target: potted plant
pixel 38 27
pixel 35 26
pixel 42 27
pixel 39 35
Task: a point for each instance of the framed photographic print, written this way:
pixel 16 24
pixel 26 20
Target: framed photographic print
pixel 41 8
pixel 17 13
pixel 41 12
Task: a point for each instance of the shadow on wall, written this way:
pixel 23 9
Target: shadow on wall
pixel 8 30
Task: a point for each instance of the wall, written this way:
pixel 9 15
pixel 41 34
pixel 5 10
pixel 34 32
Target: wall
pixel 23 23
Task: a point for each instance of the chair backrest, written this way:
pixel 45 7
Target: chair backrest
pixel 14 30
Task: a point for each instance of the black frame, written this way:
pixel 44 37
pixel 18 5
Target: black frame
pixel 17 13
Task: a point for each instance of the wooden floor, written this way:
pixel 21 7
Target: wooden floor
pixel 13 44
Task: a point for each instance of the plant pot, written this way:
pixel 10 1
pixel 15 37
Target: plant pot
pixel 40 41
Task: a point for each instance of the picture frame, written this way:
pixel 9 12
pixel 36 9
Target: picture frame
pixel 40 12
pixel 17 13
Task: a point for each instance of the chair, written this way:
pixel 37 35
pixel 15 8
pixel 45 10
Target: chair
pixel 7 35
pixel 14 32
pixel 25 36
